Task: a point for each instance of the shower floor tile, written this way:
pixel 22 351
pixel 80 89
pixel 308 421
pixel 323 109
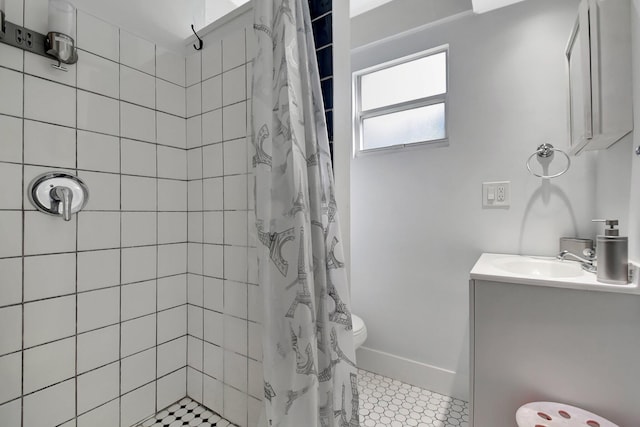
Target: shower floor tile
pixel 388 402
pixel 186 412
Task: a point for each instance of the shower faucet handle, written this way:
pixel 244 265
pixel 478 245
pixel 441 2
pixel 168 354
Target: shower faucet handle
pixel 62 195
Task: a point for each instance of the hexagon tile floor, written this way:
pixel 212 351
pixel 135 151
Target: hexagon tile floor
pixel 384 402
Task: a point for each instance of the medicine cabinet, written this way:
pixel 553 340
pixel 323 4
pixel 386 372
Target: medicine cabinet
pixel 598 58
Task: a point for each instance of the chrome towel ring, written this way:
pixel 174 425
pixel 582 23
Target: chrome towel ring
pixel 546 151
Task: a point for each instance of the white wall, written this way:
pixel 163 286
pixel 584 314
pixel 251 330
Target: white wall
pixel 634 211
pixel 417 221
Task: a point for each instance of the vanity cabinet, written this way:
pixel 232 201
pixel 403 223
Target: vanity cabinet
pixel 598 57
pixel 539 343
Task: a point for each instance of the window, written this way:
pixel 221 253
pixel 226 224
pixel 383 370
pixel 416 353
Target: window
pixel 402 103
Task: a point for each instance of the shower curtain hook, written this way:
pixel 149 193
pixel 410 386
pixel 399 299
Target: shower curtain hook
pixel 200 42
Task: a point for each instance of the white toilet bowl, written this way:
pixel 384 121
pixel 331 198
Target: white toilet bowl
pixel 359 331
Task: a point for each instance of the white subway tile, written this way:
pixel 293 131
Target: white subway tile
pixel 194 227
pixel 137 53
pixel 235 334
pixel 194 132
pixel 256 384
pixel 11 321
pixel 194 100
pixel 11 179
pixel 255 341
pixel 194 323
pixel 137 87
pixel 49 145
pixel 138 405
pixel 213 294
pixel 235 370
pixel 172 130
pixel 137 122
pixel 97 348
pixel 194 384
pixel 138 334
pixel 11 147
pixel 11 273
pixel 235 192
pixel 138 264
pixel 98 269
pixel 98 152
pixel 235 299
pixel 172 163
pixel 137 158
pixel 138 299
pixel 98 308
pixel 212 127
pixel 235 157
pixel 104 416
pixel 213 194
pixel 47 101
pixel 51 406
pixel 213 361
pixel 11 412
pixel 172 323
pixel 44 234
pixel 214 228
pixel 172 259
pixel 172 356
pixel 213 260
pixel 172 98
pixel 212 161
pixel 194 258
pixel 213 328
pixel 98 387
pixel 10 234
pixel 138 228
pixel 195 290
pixel 97 74
pixel 48 364
pixel 235 228
pixel 138 194
pixel 98 113
pixel 212 93
pixel 11 89
pixel 172 227
pixel 194 163
pixel 170 66
pixel 10 57
pixel 235 405
pixel 234 86
pixel 172 291
pixel 104 191
pixel 212 59
pixel 172 195
pixel 138 370
pixel 42 67
pixel 49 276
pixel 10 375
pixel 194 189
pixel 233 50
pixel 49 320
pixel 235 263
pixel 256 305
pixel 171 388
pixel 194 352
pixel 194 68
pixel 97 36
pixel 98 230
pixel 235 121
pixel 213 394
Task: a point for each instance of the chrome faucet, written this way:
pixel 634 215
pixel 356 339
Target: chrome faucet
pixel 586 263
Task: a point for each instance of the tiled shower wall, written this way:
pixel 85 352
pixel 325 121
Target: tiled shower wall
pixel 93 327
pixel 224 337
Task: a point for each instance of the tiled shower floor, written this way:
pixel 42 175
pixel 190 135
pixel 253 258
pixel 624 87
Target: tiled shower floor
pixel 384 402
pixel 186 412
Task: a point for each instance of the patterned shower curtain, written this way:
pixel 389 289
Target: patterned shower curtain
pixel 310 377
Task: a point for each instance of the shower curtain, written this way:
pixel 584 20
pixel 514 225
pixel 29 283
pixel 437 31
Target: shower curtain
pixel 310 377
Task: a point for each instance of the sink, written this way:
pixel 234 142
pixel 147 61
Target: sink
pixel 542 268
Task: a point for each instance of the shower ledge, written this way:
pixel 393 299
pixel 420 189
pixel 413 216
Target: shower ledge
pixel 546 271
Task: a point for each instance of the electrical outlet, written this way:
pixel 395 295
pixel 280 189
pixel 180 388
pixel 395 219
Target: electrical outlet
pixel 496 194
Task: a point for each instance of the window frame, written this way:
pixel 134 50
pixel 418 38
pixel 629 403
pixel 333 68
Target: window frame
pixel 359 116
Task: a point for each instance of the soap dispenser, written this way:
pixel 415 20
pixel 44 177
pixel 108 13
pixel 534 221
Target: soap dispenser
pixel 612 254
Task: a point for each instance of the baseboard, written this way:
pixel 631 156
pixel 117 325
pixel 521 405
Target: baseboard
pixel 412 372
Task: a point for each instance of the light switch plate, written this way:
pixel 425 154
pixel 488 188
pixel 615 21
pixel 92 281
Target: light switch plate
pixel 496 194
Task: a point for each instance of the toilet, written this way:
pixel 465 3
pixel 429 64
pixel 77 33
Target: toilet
pixel 359 331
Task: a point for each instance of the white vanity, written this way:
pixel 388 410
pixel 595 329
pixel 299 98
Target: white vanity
pixel 545 330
